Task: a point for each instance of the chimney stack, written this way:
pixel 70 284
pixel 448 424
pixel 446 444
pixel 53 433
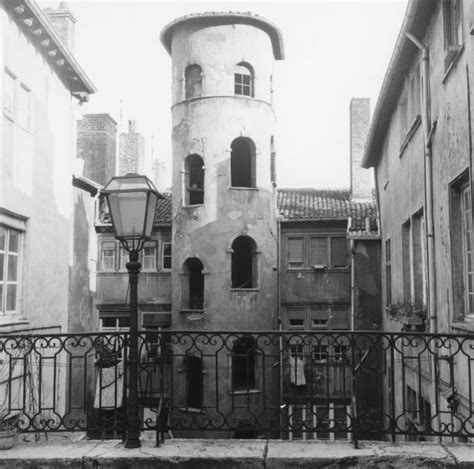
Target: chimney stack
pixel 131 151
pixel 63 21
pixel 131 127
pixel 361 179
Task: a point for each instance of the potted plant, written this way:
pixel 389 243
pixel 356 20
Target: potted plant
pixel 7 429
pixel 412 314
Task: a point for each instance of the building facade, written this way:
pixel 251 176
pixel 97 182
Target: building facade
pixel 420 145
pixel 42 84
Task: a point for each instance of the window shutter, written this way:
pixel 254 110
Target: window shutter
pixel 340 319
pixel 318 254
pixel 338 252
pixel 295 251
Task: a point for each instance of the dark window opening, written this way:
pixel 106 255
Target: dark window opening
pixel 243 80
pixel 194 382
pixel 272 161
pixel 193 78
pixel 194 180
pixel 242 163
pixel 243 363
pixel 193 284
pixel 243 262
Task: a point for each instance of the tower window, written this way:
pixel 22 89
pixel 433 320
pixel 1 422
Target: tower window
pixel 193 284
pixel 194 180
pixel 194 391
pixel 243 363
pixel 242 163
pixel 193 79
pixel 243 80
pixel 244 261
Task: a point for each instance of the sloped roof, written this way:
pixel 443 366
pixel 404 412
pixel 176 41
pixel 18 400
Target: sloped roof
pixel 163 212
pixel 35 25
pixel 326 205
pixel 417 19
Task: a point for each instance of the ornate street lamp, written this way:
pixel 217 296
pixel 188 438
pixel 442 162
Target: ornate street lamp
pixel 132 202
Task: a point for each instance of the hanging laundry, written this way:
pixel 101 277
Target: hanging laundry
pixel 297 371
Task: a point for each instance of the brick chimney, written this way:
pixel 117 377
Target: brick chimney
pixel 361 179
pixel 131 151
pixel 63 21
pixel 96 145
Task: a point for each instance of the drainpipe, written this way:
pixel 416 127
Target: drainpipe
pixel 428 132
pixel 351 247
pixel 427 137
pixel 280 340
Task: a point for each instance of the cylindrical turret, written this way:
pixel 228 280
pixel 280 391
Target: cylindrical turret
pixel 224 211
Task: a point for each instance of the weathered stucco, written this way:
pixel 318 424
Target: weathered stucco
pixel 35 173
pixel 206 126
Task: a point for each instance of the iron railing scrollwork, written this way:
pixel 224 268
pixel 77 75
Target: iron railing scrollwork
pixel 293 385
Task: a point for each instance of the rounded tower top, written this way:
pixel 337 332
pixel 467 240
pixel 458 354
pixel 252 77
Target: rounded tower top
pixel 223 18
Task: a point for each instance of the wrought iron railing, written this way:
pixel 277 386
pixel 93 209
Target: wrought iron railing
pixel 292 385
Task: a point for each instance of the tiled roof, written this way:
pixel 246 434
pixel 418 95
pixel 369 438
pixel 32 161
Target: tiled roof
pixel 335 204
pixel 163 210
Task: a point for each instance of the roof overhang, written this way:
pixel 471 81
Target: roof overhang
pixel 35 25
pixel 225 18
pixel 416 21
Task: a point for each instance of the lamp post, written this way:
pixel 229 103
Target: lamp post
pixel 132 202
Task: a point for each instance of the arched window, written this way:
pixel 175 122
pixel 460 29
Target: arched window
pixel 194 388
pixel 192 284
pixel 243 363
pixel 193 78
pixel 244 263
pixel 243 80
pixel 242 163
pixel 194 180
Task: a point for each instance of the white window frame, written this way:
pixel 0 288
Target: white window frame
pixel 331 420
pixel 5 282
pixel 466 213
pixel 164 244
pixel 149 244
pixel 102 260
pixel 24 106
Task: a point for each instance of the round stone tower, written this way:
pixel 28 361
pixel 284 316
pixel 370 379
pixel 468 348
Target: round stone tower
pixel 224 194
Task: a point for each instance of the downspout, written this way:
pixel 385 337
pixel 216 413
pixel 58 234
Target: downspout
pixel 427 137
pixel 280 340
pixel 351 247
pixel 428 132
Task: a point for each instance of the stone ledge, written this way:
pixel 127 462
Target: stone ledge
pixel 223 454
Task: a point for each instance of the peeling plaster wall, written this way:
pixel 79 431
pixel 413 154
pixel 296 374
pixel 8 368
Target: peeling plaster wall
pixel 207 126
pixel 400 185
pixel 35 179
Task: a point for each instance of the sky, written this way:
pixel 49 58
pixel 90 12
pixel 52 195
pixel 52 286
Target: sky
pixel 335 50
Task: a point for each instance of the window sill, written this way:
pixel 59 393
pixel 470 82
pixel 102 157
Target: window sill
pixel 453 63
pixel 237 290
pixel 467 325
pixel 244 392
pixel 193 206
pixel 232 188
pixel 193 311
pixel 192 410
pixel 409 135
pixel 323 270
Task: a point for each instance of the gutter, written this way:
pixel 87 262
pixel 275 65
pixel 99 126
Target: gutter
pixel 428 133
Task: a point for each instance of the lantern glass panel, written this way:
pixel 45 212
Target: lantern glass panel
pixel 150 214
pixel 128 211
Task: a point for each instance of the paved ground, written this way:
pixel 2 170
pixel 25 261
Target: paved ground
pixel 61 452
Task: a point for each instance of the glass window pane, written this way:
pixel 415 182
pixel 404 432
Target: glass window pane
pixel 11 297
pixel 14 241
pixel 12 268
pixel 3 234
